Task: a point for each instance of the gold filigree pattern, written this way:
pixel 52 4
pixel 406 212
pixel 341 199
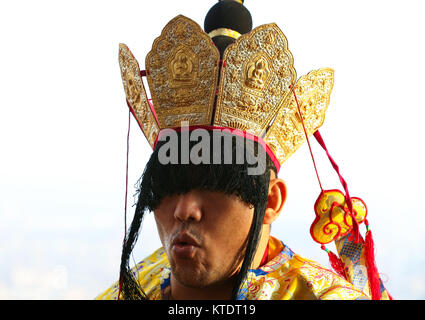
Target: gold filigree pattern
pixel 182 72
pixel 136 94
pixel 286 134
pixel 257 64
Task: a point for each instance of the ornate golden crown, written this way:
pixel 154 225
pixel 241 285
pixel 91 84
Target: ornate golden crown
pixel 250 89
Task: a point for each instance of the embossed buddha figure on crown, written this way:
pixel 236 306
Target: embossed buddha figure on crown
pixel 182 67
pixel 257 74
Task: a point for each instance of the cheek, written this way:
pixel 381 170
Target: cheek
pixel 163 229
pixel 230 232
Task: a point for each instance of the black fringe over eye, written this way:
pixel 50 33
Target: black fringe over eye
pixel 161 180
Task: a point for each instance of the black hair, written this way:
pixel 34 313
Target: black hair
pixel 160 180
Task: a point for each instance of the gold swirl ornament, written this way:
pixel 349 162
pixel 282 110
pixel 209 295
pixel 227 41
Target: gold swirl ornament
pixel 333 219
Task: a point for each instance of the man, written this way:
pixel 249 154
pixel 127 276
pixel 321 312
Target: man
pixel 205 215
pixel 212 184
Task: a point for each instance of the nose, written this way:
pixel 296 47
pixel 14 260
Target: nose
pixel 188 208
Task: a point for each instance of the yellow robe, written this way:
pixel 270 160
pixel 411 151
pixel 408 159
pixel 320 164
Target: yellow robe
pixel 286 276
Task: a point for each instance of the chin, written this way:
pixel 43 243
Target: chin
pixel 192 277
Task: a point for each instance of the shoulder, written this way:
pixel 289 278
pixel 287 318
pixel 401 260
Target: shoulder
pixel 288 276
pixel 323 283
pixel 148 273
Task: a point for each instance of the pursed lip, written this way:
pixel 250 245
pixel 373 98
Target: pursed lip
pixel 184 247
pixel 185 239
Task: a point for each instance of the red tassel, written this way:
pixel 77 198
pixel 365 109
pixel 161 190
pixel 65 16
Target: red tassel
pixel 372 271
pixel 336 263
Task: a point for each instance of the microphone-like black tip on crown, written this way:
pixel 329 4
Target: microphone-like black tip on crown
pixel 229 14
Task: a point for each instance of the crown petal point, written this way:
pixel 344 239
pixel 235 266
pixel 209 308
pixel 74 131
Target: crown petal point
pixel 136 94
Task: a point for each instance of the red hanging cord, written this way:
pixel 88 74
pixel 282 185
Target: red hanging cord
pixel 336 262
pixel 335 166
pixel 306 135
pixel 319 139
pixel 126 191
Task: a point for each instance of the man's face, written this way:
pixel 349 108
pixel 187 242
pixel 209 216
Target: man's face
pixel 203 232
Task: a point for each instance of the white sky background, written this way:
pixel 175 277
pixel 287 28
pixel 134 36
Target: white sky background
pixel 63 127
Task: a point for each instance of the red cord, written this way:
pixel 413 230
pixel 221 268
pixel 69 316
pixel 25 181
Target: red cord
pixel 335 166
pixel 344 184
pixel 336 262
pixel 306 135
pixel 126 191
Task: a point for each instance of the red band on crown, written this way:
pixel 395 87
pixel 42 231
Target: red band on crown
pixel 236 132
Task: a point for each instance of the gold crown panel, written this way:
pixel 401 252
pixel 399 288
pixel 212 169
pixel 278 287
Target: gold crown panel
pixel 182 72
pixel 255 79
pixel 313 91
pixel 136 94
